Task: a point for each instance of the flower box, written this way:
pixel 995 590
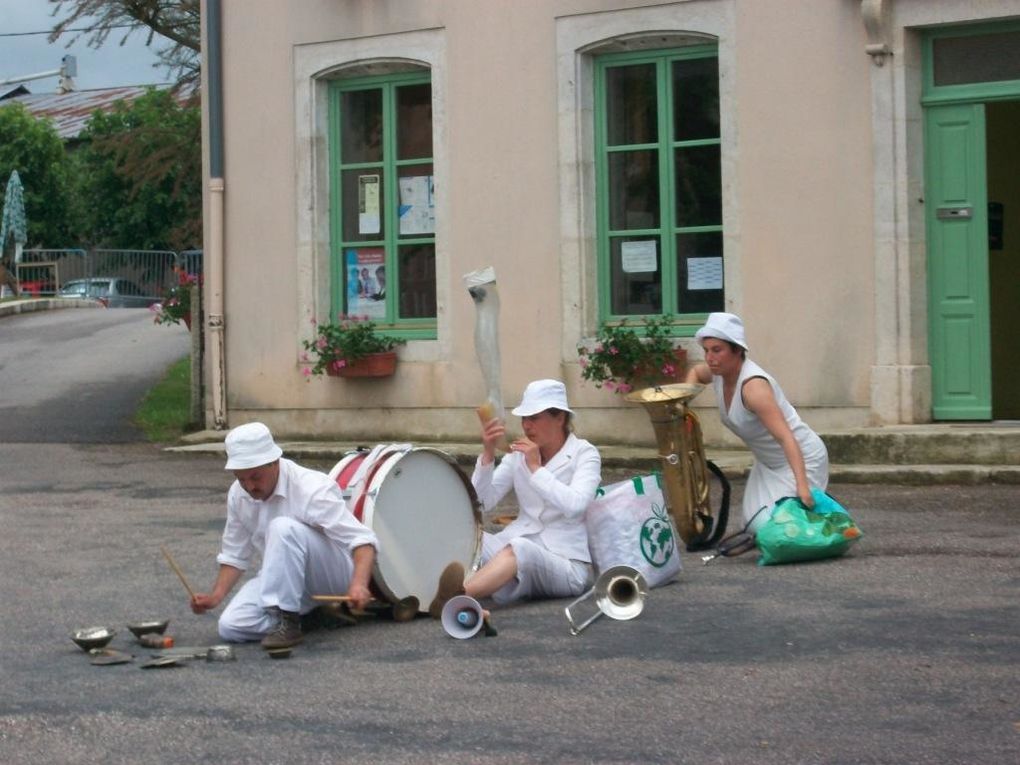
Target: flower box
pixel 373 365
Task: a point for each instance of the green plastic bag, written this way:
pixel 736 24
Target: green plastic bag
pixel 794 533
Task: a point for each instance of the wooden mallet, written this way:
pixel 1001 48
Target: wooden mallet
pixel 177 570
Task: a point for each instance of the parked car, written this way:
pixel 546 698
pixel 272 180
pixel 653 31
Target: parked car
pixel 113 292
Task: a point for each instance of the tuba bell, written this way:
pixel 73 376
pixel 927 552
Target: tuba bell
pixel 685 470
pixel 619 593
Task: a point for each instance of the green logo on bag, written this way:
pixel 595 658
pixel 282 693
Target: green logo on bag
pixel 657 542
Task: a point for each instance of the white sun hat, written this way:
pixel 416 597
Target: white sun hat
pixel 541 395
pixel 250 446
pixel 724 326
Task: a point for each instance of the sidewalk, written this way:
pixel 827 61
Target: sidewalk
pixel 914 455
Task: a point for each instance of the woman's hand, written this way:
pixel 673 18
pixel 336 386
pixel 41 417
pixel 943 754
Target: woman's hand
pixel 493 433
pixel 804 494
pixel 532 455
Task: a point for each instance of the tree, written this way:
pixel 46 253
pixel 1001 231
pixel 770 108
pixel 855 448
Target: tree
pixel 140 169
pixel 32 147
pixel 176 21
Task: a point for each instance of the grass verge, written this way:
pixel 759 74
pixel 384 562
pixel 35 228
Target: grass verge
pixel 164 413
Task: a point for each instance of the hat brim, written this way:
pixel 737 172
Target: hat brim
pixel 719 334
pixel 528 411
pixel 249 461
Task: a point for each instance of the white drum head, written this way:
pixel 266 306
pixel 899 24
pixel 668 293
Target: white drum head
pixel 426 514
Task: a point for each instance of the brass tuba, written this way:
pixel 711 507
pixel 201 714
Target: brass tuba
pixel 685 470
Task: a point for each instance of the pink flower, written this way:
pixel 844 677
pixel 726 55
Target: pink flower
pixel 304 357
pixel 306 372
pixel 339 364
pixel 614 350
pixel 668 369
pixel 598 348
pixel 610 385
pixel 321 343
pixel 624 388
pixel 583 362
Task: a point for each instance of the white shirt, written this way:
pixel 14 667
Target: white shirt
pixel 552 500
pixel 305 495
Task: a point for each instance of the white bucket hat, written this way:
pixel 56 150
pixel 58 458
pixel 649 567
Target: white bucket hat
pixel 541 395
pixel 250 446
pixel 725 326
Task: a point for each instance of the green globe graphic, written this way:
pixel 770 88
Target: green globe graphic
pixel 657 543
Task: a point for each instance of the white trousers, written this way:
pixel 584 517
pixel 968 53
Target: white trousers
pixel 298 562
pixel 540 572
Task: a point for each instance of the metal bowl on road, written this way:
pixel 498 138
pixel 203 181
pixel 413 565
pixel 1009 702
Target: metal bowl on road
pixel 152 626
pixel 88 638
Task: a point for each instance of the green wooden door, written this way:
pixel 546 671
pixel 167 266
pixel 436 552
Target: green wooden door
pixel 957 222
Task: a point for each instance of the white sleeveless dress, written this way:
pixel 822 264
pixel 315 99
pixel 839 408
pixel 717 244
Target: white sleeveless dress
pixel 771 476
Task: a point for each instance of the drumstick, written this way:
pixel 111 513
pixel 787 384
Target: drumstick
pixel 177 570
pixel 332 598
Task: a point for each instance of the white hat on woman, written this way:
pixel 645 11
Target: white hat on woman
pixel 250 446
pixel 541 395
pixel 724 326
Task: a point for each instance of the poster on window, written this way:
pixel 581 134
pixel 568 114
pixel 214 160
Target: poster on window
pixel 417 205
pixel 366 282
pixel 704 274
pixel 639 257
pixel 368 204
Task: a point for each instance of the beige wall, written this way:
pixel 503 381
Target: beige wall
pixel 799 183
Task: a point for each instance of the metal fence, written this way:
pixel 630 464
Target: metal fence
pixel 144 274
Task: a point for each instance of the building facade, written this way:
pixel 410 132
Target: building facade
pixel 836 173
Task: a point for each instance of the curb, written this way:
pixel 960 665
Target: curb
pixel 15 307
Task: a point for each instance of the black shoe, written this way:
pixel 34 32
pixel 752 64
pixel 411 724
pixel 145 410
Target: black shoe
pixel 451 583
pixel 286 633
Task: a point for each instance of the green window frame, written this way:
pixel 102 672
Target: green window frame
pixel 658 185
pixel 989 48
pixel 382 222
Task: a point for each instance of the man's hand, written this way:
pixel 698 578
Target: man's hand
pixel 359 595
pixel 203 602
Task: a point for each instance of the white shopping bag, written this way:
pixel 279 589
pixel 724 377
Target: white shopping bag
pixel 628 525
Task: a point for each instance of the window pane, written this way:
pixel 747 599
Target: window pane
pixel 414 121
pixel 416 189
pixel 362 205
pixel 361 126
pixel 696 99
pixel 977 58
pixel 633 190
pixel 417 281
pixel 699 273
pixel 631 105
pixel 635 276
pixel 365 282
pixel 698 186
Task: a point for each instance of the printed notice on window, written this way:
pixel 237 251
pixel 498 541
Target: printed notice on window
pixel 366 282
pixel 639 257
pixel 368 204
pixel 417 205
pixel 704 274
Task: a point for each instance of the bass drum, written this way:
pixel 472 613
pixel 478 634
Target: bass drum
pixel 424 511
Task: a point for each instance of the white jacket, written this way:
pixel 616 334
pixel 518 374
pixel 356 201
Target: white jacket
pixel 552 500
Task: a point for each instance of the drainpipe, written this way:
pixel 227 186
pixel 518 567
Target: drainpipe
pixel 214 262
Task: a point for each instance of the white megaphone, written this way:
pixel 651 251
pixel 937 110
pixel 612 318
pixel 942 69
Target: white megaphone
pixel 463 618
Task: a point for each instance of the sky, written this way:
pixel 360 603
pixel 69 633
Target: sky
pixel 109 66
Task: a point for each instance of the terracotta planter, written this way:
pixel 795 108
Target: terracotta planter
pixel 186 318
pixel 373 365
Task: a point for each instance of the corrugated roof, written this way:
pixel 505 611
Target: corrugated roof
pixel 70 111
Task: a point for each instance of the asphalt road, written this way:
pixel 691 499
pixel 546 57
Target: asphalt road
pixel 906 651
pixel 77 375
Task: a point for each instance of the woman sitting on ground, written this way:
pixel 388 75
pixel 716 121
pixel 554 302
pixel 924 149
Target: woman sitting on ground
pixel 554 474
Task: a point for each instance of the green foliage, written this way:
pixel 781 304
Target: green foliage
pixel 140 169
pixel 164 413
pixel 33 148
pixel 341 344
pixel 621 358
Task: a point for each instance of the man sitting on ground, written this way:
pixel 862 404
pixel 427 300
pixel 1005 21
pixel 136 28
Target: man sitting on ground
pixel 310 543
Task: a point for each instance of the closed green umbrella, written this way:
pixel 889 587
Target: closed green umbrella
pixel 14 223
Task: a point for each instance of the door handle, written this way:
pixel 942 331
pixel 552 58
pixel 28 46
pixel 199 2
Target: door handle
pixel 954 213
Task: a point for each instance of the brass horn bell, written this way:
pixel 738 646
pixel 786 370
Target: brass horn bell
pixel 619 593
